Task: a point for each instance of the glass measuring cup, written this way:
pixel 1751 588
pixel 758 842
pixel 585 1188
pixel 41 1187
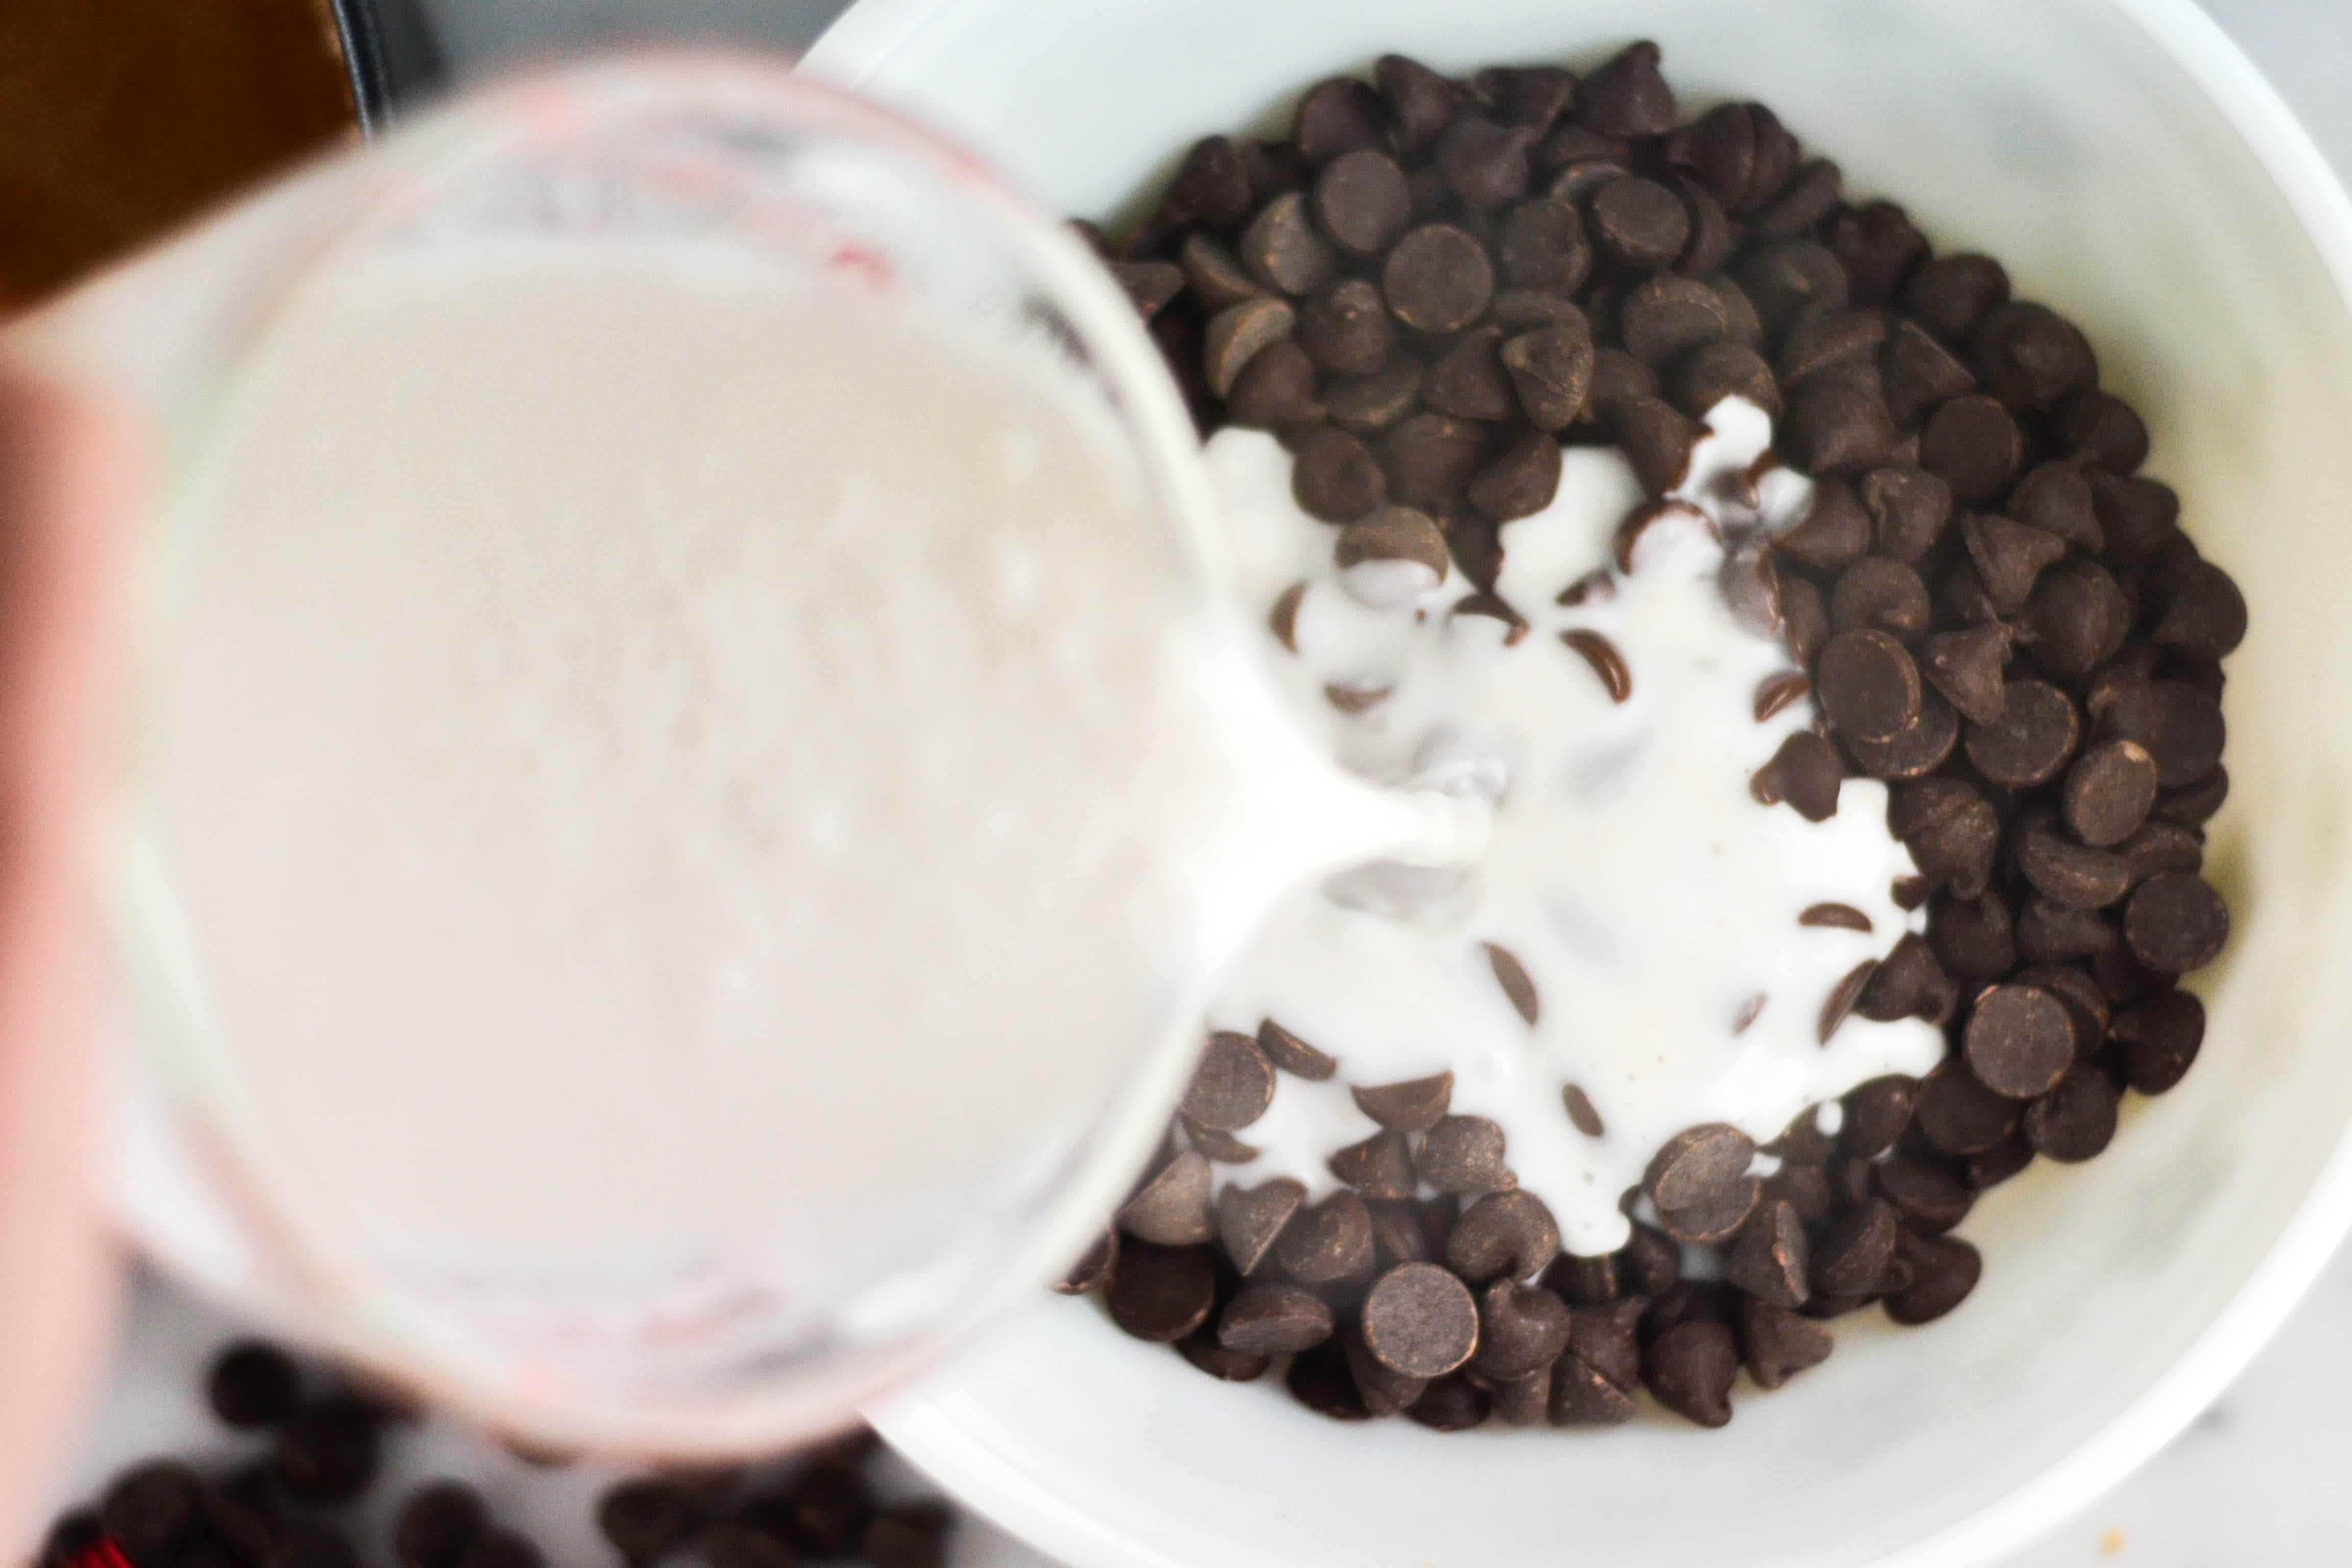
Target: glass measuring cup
pixel 703 1353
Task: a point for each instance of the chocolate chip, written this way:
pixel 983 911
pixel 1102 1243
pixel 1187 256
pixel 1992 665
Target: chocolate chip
pixel 1581 1114
pixel 1172 1208
pixel 1771 1258
pixel 1521 481
pixel 329 1452
pixel 1238 333
pixel 1726 369
pixel 1664 318
pixel 1966 667
pixel 1717 1217
pixel 1269 1319
pixel 1741 152
pixel 1944 1269
pixel 1361 202
pixel 2201 613
pixel 1853 1254
pixel 1151 285
pixel 1394 533
pixel 2056 498
pixel 2050 934
pixel 1380 1166
pixel 1776 692
pixel 1908 509
pixel 646 1517
pixel 1975 939
pixel 1639 223
pixel 2070 875
pixel 1519 309
pixel 1398 1235
pixel 1522 1330
pixel 2195 804
pixel 1275 390
pixel 1690 1369
pixel 1976 447
pixel 1282 248
pixel 253 1384
pixel 2102 429
pixel 2138 517
pixel 1090 1273
pixel 1607 663
pixel 2109 791
pixel 1467 381
pixel 1810 196
pixel 2174 722
pixel 1931 1195
pixel 1334 477
pixel 1232 1086
pixel 1338 116
pixel 1628 96
pixel 1421 102
pixel 1346 328
pixel 1486 164
pixel 493 1547
pixel 2157 1040
pixel 2019 1041
pixel 1876 1112
pixel 1775 1344
pixel 1429 459
pixel 1868 685
pixel 2085 1004
pixel 2077 1120
pixel 1834 425
pixel 1783 278
pixel 1551 370
pixel 1921 375
pixel 1541 244
pixel 1995 1165
pixel 2034 736
pixel 1698 1165
pixel 1368 405
pixel 1953 293
pixel 1437 278
pixel 1520 1401
pixel 147 1508
pixel 2079 617
pixel 1384 1390
pixel 1283 619
pixel 1450 1404
pixel 1879 593
pixel 1657 440
pixel 1533 96
pixel 1958 1115
pixel 2008 558
pixel 1503 1235
pixel 1835 533
pixel 1713 238
pixel 1823 335
pixel 1327 1241
pixel 1320 1380
pixel 2030 357
pixel 1251 1219
pixel 1212 187
pixel 1804 616
pixel 1804 771
pixel 1842 916
pixel 2175 923
pixel 1616 376
pixel 437 1524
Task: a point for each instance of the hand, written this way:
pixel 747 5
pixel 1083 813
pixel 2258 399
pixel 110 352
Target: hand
pixel 68 501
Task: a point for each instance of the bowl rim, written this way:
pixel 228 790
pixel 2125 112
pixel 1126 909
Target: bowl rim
pixel 865 38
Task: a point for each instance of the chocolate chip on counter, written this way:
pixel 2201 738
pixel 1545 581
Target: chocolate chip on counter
pixel 2109 791
pixel 1327 1241
pixel 2050 934
pixel 147 1508
pixel 2009 557
pixel 1251 1219
pixel 1726 369
pixel 1782 279
pixel 2033 739
pixel 1090 1273
pixel 1346 328
pixel 1975 939
pixel 1804 771
pixel 1368 405
pixel 1975 445
pixel 1233 1084
pixel 1171 1209
pixel 2031 357
pixel 1283 249
pixel 1293 1055
pixel 1665 317
pixel 1361 202
pixel 1521 481
pixel 1810 196
pixel 1338 115
pixel 1503 1235
pixel 2138 517
pixel 1150 285
pixel 1334 475
pixel 1921 374
pixel 1275 390
pixel 1486 164
pixel 2072 876
pixel 1607 663
pixel 2019 1040
pixel 2175 923
pixel 1908 509
pixel 1835 425
pixel 646 1517
pixel 1868 685
pixel 1966 667
pixel 1628 96
pixel 1876 1112
pixel 329 1452
pixel 1381 1166
pixel 1320 1380
pixel 2203 614
pixel 1236 334
pixel 2077 1120
pixel 1450 1404
pixel 253 1384
pixel 1953 294
pixel 2102 429
pixel 1639 223
pixel 1162 1293
pixel 2157 1040
pixel 1952 831
pixel 1270 1319
pixel 1840 917
pixel 2176 723
pixel 1823 336
pixel 1437 278
pixel 1958 1115
pixel 1771 1258
pixel 2056 498
pixel 1690 1369
pixel 1384 1390
pixel 1881 594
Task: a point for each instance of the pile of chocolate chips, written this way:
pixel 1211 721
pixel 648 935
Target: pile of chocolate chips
pixel 1422 291
pixel 289 1507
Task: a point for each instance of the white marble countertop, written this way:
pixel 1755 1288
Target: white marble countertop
pixel 2260 1479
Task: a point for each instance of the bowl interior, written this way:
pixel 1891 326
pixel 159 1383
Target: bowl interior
pixel 2068 138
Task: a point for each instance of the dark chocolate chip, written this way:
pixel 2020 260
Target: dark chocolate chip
pixel 1804 771
pixel 1823 336
pixel 1921 375
pixel 1628 96
pixel 1775 1344
pixel 1380 1166
pixel 1876 1112
pixel 1616 376
pixel 1335 476
pixel 1413 1106
pixel 254 1383
pixel 149 1507
pixel 2109 791
pixel 1521 481
pixel 1741 152
pixel 1834 425
pixel 2102 429
pixel 329 1452
pixel 1450 1404
pixel 1853 1254
pixel 1771 1259
pixel 1151 285
pixel 1639 223
pixel 1338 116
pixel 1269 1318
pixel 2032 739
pixel 2056 498
pixel 1420 101
pixel 2072 876
pixel 437 1524
pixel 1233 1085
pixel 1429 459
pixel 1172 1208
pixel 1251 1219
pixel 1930 1194
pixel 2201 613
pixel 1952 831
pixel 1384 1390
pixel 1522 1328
pixel 1909 510
pixel 1437 278
pixel 2019 1040
pixel 2138 517
pixel 1657 439
pixel 1715 1219
pixel 2010 557
pixel 2077 1120
pixel 1607 663
pixel 1880 246
pixel 646 1517
pixel 1275 390
pixel 1698 1165
pixel 1212 187
pixel 1486 164
pixel 1944 1269
pixel 1320 1380
pixel 1975 939
pixel 2031 357
pixel 1868 685
pixel 1503 1235
pixel 1966 667
pixel 2175 923
pixel 1783 278
pixel 1975 445
pixel 1392 534
pixel 1726 369
pixel 1835 533
pixel 1283 249
pixel 1467 381
pixel 1810 196
pixel 1090 1273
pixel 493 1547
pixel 1877 593
pixel 1361 200
pixel 1958 1115
pixel 1842 998
pixel 2157 1040
pixel 1551 370
pixel 2194 804
pixel 1368 405
pixel 1776 692
pixel 1238 333
pixel 1842 916
pixel 1541 244
pixel 1346 328
pixel 1665 317
pixel 1953 293
pixel 2051 934
pixel 2005 1160
pixel 2178 724
pixel 1327 1241
pixel 1804 615
pixel 1690 1368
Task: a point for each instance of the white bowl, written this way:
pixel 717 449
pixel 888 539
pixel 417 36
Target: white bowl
pixel 2133 171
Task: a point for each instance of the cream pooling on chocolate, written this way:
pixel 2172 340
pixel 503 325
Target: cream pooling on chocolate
pixel 1647 895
